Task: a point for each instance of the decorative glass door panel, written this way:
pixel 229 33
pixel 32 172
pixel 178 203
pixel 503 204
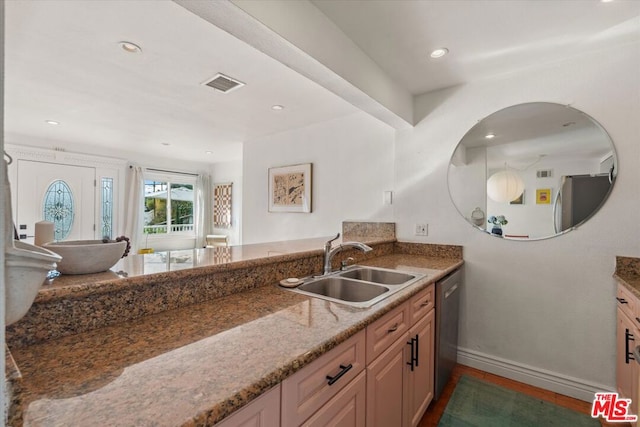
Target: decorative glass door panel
pixel 58 208
pixel 62 194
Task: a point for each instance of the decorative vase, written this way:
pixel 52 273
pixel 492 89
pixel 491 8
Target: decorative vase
pixel 497 230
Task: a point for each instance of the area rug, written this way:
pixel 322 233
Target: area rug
pixel 477 403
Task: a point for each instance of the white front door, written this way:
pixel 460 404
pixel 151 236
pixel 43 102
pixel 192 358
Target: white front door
pixel 62 194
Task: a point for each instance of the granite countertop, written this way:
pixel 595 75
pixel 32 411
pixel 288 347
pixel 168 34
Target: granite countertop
pixel 136 270
pixel 628 273
pixel 197 364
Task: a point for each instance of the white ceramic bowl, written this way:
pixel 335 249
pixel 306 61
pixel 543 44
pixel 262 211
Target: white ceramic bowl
pixel 26 268
pixel 86 256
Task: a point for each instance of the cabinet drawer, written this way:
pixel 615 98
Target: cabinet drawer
pixel 421 304
pixel 346 408
pixel 307 390
pixel 387 329
pixel 628 303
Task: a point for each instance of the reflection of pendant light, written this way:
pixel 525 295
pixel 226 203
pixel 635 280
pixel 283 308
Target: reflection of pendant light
pixel 504 186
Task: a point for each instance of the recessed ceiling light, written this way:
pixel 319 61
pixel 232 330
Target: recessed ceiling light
pixel 490 135
pixel 208 152
pixel 606 1
pixel 439 53
pixel 277 107
pixel 52 122
pixel 130 47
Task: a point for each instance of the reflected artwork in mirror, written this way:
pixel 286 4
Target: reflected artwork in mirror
pixel 544 168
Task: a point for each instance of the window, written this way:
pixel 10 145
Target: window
pixel 106 211
pixel 168 205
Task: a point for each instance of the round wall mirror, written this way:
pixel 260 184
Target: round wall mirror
pixel 532 171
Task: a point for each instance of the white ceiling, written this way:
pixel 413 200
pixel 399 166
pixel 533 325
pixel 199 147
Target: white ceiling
pixel 63 63
pixel 485 37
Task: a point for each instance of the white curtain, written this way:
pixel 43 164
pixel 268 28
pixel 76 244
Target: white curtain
pixel 203 207
pixel 133 209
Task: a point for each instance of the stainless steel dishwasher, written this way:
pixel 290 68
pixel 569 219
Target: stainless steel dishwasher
pixel 447 308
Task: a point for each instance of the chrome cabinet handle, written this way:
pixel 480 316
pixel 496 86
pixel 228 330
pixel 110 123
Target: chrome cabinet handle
pixel 335 378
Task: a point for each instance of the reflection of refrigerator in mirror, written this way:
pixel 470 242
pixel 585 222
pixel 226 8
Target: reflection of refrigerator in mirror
pixel 578 198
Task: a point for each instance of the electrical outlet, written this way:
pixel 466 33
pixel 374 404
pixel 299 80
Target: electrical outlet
pixel 422 229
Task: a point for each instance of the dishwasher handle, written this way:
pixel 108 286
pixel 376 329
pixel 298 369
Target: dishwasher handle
pixel 449 292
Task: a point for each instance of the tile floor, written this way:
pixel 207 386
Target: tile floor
pixel 435 410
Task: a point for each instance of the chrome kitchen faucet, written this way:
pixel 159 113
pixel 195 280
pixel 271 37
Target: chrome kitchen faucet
pixel 329 253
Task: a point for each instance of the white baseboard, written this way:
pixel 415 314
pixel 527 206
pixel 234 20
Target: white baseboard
pixel 553 381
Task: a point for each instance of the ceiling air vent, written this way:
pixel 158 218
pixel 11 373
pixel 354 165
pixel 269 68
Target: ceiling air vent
pixel 544 173
pixel 223 83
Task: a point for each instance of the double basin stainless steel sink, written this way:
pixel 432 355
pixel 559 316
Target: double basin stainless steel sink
pixel 358 286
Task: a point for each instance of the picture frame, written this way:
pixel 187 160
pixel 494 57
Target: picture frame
pixel 543 196
pixel 519 200
pixel 290 188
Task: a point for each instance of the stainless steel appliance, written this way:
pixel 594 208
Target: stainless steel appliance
pixel 447 308
pixel 578 197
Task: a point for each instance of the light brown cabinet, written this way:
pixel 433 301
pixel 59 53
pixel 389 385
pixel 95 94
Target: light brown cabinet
pixel 627 339
pixel 262 412
pixel 382 376
pixel 313 387
pixel 400 380
pixel 419 385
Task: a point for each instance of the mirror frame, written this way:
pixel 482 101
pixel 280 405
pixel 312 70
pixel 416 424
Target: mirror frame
pixel 613 174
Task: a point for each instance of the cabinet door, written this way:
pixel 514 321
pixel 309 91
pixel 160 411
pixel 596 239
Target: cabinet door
pixel 385 386
pixel 624 367
pixel 262 412
pixel 419 382
pixel 345 409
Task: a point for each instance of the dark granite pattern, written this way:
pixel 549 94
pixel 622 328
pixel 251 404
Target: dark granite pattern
pixel 356 230
pixel 76 304
pixel 628 273
pixel 195 364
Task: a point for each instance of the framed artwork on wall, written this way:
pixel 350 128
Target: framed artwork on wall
pixel 519 200
pixel 222 205
pixel 290 188
pixel 543 196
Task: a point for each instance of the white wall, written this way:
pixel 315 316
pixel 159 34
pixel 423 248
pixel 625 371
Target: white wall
pixel 224 172
pixel 163 159
pixel 352 162
pixel 548 305
pixel 3 213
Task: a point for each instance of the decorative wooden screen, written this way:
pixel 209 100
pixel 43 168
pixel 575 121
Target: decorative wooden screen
pixel 222 205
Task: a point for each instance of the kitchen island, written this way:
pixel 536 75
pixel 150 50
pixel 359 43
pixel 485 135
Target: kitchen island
pixel 198 363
